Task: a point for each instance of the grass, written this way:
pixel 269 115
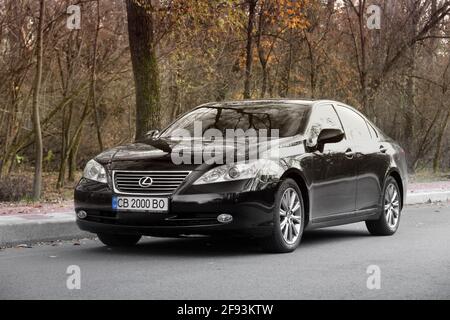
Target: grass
pixel 427 175
pixel 50 194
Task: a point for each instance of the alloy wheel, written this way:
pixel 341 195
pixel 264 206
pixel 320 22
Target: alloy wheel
pixel 392 205
pixel 290 216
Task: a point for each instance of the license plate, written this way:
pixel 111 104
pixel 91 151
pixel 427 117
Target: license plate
pixel 140 204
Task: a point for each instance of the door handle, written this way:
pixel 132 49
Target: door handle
pixel 349 154
pixel 383 149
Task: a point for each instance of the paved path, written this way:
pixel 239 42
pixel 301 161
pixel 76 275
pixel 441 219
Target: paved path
pixel 330 264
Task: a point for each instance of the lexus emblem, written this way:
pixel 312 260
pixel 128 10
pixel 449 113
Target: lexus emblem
pixel 145 182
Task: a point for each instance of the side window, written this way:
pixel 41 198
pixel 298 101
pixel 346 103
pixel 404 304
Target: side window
pixel 355 126
pixel 323 117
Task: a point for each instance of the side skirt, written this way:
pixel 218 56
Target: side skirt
pixel 344 218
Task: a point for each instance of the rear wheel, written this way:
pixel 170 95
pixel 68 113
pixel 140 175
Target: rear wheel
pixel 118 240
pixel 389 219
pixel 288 219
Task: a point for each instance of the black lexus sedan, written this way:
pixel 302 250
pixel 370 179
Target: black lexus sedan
pixel 295 165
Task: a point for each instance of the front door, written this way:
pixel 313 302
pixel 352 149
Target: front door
pixel 333 188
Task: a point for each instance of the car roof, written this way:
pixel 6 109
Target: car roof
pixel 262 102
pixel 252 103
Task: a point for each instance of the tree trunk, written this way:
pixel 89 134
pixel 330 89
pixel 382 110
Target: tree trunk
pixel 62 170
pixel 437 155
pixel 249 48
pixel 37 185
pixel 286 70
pixel 363 62
pixel 174 90
pixel 330 6
pixel 145 67
pixel 409 128
pixel 264 80
pixel 434 43
pixel 94 80
pixel 73 158
pixel 65 123
pixel 263 56
pixel 312 68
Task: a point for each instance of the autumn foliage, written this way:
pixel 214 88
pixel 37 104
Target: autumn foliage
pixel 214 50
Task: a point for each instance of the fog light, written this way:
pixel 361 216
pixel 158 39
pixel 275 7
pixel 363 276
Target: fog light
pixel 81 214
pixel 225 218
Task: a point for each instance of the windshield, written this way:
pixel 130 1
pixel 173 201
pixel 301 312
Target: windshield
pixel 289 119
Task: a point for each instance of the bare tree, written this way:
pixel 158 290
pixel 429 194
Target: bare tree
pixel 94 79
pixel 188 52
pixel 37 185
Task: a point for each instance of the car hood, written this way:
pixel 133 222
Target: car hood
pixel 157 153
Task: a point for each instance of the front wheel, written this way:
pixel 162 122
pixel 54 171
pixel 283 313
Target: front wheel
pixel 118 240
pixel 389 219
pixel 288 219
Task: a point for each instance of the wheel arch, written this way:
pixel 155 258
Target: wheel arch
pixel 298 177
pixel 398 178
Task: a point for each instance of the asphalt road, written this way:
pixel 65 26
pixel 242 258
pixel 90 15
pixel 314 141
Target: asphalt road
pixel 330 264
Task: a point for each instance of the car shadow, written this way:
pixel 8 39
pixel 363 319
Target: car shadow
pixel 186 247
pixel 222 247
pixel 324 236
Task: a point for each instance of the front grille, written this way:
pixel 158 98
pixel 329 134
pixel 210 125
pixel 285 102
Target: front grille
pixel 163 182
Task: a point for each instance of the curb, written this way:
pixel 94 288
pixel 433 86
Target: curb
pixel 32 228
pixel 428 197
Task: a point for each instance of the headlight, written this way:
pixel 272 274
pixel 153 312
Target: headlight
pixel 236 171
pixel 95 171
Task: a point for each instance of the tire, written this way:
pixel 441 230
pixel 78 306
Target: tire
pixel 287 229
pixel 118 240
pixel 391 209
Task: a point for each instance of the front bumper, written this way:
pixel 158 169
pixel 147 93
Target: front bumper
pixel 190 212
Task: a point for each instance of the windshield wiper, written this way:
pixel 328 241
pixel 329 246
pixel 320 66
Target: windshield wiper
pixel 158 144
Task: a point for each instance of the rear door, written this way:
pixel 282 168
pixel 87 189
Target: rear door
pixel 369 157
pixel 372 167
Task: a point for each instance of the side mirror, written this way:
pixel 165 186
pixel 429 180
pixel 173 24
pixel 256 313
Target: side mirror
pixel 327 136
pixel 152 134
